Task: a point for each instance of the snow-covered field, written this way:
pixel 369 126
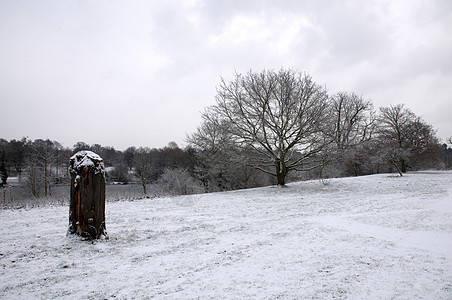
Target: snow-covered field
pixel 378 236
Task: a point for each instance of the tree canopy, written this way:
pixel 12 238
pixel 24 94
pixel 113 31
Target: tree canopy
pixel 280 118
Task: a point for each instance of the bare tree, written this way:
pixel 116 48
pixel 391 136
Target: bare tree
pixel 447 154
pixel 43 153
pixel 217 161
pixel 211 143
pixel 213 135
pixel 280 117
pixel 172 145
pixel 80 146
pixel 3 170
pixel 17 153
pixel 404 136
pixel 353 121
pixel 129 154
pixel 178 182
pixel 143 165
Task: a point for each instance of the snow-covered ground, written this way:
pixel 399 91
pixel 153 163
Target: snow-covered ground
pixel 378 236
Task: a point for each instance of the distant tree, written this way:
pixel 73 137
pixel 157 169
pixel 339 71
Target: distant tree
pixel 353 121
pixel 4 144
pixel 17 153
pixel 3 170
pixel 62 162
pixel 277 118
pixel 129 154
pixel 172 145
pixel 41 162
pixel 174 157
pixel 447 152
pixel 211 146
pixel 96 148
pixel 404 136
pixel 217 161
pixel 213 135
pixel 79 146
pixel 110 155
pixel 178 182
pixel 120 173
pixel 393 122
pixel 46 164
pixel 143 166
pixel 34 180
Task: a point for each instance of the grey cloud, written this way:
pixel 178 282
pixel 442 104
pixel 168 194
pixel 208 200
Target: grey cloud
pixel 141 64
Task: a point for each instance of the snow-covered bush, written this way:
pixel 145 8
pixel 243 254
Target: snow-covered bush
pixel 178 182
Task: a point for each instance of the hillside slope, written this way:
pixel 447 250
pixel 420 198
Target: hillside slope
pixel 378 236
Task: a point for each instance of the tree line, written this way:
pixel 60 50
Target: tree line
pixel 39 165
pixel 282 123
pixel 265 128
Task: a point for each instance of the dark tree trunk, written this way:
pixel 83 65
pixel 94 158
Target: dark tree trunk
pixel 402 165
pixel 87 206
pixel 398 168
pixel 143 184
pixel 45 179
pixel 281 179
pixel 281 173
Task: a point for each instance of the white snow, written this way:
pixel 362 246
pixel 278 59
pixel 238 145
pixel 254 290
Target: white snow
pixel 373 237
pixel 86 158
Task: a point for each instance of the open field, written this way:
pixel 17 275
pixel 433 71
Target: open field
pixel 378 236
pixel 16 196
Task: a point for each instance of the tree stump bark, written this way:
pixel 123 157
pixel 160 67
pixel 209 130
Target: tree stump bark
pixel 87 206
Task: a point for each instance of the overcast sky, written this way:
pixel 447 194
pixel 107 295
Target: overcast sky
pixel 138 73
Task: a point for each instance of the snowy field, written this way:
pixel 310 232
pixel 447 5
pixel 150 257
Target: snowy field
pixel 372 237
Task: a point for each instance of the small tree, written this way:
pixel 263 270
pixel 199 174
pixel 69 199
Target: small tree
pixel 278 118
pixel 129 154
pixel 179 182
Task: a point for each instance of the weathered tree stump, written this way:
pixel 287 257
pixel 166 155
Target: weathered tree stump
pixel 87 207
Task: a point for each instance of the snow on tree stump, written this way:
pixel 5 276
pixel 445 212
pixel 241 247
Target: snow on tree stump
pixel 87 207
